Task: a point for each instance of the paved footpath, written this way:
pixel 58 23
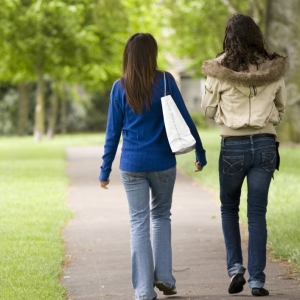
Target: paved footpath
pixel 97 240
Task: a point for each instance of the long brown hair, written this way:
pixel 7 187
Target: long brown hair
pixel 139 67
pixel 243 44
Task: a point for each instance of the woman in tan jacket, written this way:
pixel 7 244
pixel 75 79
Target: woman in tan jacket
pixel 245 95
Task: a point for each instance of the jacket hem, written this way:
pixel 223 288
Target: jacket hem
pixel 226 131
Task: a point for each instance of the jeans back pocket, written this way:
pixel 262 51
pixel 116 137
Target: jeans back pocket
pixel 128 176
pixel 269 161
pixel 233 165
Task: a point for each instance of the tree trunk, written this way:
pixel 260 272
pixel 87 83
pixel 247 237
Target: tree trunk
pixel 23 90
pixel 53 113
pixel 63 110
pixel 39 121
pixel 283 36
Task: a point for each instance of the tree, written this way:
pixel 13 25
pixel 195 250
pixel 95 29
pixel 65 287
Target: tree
pixel 37 36
pixel 283 35
pixel 13 70
pixel 53 38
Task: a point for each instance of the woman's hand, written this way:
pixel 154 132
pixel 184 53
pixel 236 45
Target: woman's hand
pixel 103 184
pixel 198 167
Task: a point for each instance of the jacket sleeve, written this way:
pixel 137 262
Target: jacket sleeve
pixel 177 97
pixel 211 97
pixel 113 133
pixel 280 99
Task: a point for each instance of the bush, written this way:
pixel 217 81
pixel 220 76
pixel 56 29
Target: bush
pixel 199 119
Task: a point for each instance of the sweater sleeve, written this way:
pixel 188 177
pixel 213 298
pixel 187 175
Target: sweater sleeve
pixel 113 133
pixel 177 97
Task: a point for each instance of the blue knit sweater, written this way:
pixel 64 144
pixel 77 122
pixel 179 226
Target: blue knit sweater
pixel 145 144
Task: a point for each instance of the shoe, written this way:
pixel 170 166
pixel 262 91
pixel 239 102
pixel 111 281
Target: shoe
pixel 259 292
pixel 163 288
pixel 237 283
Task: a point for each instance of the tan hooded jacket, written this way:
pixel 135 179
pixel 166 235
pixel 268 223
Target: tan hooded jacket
pixel 245 103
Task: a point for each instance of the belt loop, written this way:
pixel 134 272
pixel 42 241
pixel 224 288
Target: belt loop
pixel 223 142
pixel 251 139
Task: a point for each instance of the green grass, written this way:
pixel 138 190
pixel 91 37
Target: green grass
pixel 33 189
pixel 283 215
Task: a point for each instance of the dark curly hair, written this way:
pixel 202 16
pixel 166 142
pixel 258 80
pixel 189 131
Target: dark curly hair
pixel 243 44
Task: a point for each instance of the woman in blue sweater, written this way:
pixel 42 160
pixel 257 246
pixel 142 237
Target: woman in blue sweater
pixel 147 162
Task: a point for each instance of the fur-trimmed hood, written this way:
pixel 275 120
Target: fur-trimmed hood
pixel 269 71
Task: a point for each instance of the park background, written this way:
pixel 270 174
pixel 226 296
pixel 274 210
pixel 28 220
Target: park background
pixel 58 60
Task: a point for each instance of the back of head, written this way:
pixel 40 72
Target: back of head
pixel 243 43
pixel 139 67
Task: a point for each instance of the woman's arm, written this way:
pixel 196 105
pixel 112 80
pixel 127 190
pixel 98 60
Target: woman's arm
pixel 113 134
pixel 280 99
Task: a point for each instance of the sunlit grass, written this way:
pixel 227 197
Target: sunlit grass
pixel 284 197
pixel 33 189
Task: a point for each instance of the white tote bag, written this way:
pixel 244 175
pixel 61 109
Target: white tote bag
pixel 179 134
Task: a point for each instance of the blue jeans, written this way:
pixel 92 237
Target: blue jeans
pixel 150 263
pixel 254 158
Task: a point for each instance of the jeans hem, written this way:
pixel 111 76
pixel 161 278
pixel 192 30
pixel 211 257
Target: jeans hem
pixel 236 269
pixel 256 284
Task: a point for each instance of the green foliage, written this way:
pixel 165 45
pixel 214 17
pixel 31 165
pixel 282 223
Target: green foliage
pixel 81 42
pixel 74 41
pixel 148 16
pixel 71 42
pixel 33 188
pixel 283 208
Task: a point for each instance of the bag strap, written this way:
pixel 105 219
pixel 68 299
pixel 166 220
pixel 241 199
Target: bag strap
pixel 165 84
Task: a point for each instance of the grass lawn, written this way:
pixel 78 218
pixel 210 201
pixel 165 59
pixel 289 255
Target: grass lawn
pixel 284 197
pixel 33 188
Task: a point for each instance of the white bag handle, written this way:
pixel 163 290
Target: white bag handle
pixel 165 85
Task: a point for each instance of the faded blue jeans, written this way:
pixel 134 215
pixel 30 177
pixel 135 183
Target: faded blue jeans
pixel 253 158
pixel 150 262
